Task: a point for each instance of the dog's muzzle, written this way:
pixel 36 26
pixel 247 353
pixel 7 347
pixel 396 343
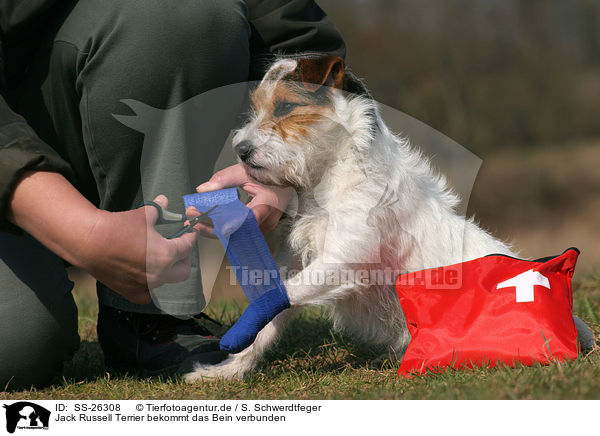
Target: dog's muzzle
pixel 244 150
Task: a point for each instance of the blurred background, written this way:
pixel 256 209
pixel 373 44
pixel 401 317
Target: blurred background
pixel 517 82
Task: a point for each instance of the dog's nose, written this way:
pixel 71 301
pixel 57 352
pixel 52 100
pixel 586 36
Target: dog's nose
pixel 244 150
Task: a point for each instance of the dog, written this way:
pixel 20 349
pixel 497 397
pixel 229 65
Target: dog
pixel 366 197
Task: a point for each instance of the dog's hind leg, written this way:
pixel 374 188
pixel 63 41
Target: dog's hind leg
pixel 240 364
pixel 373 316
pixel 584 334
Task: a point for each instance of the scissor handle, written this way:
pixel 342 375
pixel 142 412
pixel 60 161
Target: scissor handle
pixel 165 216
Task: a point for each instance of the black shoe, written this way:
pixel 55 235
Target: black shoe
pixel 148 345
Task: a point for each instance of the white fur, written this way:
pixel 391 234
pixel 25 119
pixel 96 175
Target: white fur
pixel 364 199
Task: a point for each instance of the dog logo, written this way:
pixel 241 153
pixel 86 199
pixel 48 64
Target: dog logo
pixel 26 415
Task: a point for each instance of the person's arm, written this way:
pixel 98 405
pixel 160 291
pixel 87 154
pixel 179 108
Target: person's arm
pixel 20 148
pixel 289 26
pixel 121 249
pixel 20 151
pixel 15 15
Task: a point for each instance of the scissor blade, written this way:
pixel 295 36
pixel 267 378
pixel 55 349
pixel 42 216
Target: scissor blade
pixel 192 223
pixel 196 219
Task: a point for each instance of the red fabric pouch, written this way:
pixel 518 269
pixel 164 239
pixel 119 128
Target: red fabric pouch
pixel 491 310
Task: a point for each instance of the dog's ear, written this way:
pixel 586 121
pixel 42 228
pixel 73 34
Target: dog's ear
pixel 322 71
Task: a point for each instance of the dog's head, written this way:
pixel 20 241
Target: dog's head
pixel 299 116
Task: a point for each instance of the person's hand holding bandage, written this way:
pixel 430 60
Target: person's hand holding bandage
pixel 268 202
pixel 238 230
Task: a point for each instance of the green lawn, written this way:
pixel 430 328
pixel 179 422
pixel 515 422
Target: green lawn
pixel 313 363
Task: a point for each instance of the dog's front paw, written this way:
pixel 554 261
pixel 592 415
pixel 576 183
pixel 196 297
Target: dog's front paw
pixel 234 367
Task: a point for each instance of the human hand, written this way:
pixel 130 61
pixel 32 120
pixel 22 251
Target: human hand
pixel 126 253
pixel 268 202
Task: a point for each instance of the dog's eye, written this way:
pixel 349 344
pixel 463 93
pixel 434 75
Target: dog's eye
pixel 283 108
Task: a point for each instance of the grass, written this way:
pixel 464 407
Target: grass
pixel 311 362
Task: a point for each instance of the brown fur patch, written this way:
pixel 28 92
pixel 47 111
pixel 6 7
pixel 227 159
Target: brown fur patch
pixel 296 123
pixel 296 126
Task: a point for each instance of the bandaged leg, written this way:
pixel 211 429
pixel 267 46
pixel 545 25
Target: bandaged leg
pixel 249 256
pixel 255 317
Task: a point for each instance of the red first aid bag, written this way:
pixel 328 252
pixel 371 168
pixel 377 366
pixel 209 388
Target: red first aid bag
pixel 495 309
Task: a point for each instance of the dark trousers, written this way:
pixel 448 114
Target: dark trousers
pixel 158 52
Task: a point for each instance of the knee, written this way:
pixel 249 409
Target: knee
pixel 216 19
pixel 35 349
pixel 207 41
pixel 191 25
pixel 38 316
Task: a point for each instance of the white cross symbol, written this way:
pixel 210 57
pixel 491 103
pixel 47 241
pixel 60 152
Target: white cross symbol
pixel 524 284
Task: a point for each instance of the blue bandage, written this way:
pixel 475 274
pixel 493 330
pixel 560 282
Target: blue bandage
pixel 260 312
pixel 236 227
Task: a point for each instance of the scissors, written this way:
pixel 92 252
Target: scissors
pixel 167 217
